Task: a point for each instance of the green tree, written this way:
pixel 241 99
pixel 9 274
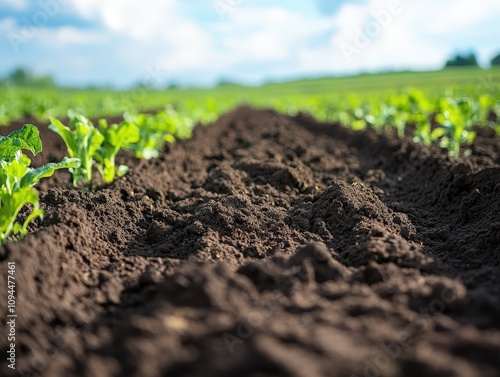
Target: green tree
pixel 19 76
pixel 496 60
pixel 23 77
pixel 462 61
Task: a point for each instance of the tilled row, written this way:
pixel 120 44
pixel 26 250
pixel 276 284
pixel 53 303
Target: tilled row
pixel 267 245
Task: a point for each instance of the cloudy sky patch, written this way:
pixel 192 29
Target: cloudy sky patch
pixel 198 42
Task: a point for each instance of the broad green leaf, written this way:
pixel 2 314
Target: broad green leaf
pixel 34 175
pixel 75 118
pixel 82 130
pixel 95 141
pixel 65 134
pixel 27 138
pixel 127 133
pixel 12 172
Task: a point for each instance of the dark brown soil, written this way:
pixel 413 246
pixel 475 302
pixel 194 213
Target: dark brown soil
pixel 266 246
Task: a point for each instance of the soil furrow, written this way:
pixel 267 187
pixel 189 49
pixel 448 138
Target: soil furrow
pixel 267 245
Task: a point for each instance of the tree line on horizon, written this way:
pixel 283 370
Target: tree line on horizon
pixel 25 77
pixel 469 60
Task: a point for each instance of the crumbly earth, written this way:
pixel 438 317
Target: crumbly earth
pixel 266 245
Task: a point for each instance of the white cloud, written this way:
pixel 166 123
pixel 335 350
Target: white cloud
pixel 7 24
pixel 140 20
pixel 418 36
pixel 259 43
pixel 71 36
pixel 246 35
pixel 452 16
pixel 15 4
pixel 270 34
pixel 176 42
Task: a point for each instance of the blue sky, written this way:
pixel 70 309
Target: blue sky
pixel 199 42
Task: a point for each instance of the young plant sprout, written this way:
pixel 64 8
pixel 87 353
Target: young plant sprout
pixel 116 137
pixel 456 119
pixel 82 140
pixel 17 180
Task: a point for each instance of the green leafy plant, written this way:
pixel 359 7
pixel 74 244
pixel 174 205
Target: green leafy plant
pixel 17 179
pixel 155 130
pixel 456 119
pixel 116 137
pixel 423 129
pixel 150 137
pixel 82 140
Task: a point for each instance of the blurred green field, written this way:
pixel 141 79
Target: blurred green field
pixel 466 78
pixel 19 102
pixel 442 106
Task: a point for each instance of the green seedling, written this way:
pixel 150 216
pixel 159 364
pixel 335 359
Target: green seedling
pixel 155 130
pixel 82 140
pixel 423 129
pixel 456 119
pixel 17 180
pixel 116 137
pixel 150 136
pixel 180 125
